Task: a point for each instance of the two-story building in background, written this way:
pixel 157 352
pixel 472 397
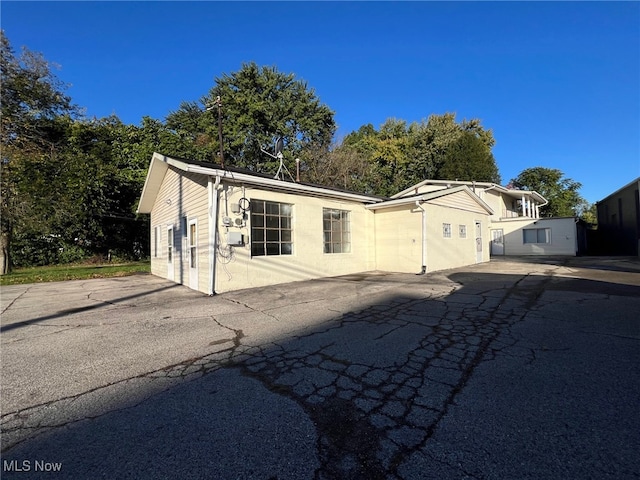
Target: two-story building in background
pixel 619 221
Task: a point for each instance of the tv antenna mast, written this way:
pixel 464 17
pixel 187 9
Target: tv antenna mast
pixel 218 103
pixel 278 156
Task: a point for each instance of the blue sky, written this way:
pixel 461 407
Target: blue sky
pixel 558 83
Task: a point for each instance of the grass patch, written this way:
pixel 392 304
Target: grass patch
pixel 58 273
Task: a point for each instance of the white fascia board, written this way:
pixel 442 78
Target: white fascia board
pixel 160 163
pixel 396 202
pixel 527 193
pixel 425 197
pixel 457 183
pixel 278 184
pixel 157 169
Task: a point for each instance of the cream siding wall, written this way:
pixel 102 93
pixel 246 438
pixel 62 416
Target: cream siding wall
pixel 237 269
pixel 399 239
pixel 387 239
pixel 399 235
pixel 459 200
pixel 495 201
pixel 563 236
pixel 444 253
pixel 181 196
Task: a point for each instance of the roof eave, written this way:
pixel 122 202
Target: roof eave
pixel 160 163
pixel 274 183
pixel 157 168
pixel 426 197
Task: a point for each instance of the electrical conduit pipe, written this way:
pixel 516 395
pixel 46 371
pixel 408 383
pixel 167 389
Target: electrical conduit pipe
pixel 423 270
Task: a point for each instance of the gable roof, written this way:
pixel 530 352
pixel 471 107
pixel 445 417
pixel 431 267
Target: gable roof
pixel 486 186
pixel 430 196
pixel 161 163
pixel 444 183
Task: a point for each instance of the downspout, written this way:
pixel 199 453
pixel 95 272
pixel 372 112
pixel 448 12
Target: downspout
pixel 213 230
pixel 423 270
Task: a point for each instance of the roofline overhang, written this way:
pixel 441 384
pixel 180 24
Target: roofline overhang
pixel 483 185
pixel 426 197
pixel 157 169
pixel 457 183
pixel 160 163
pixel 243 178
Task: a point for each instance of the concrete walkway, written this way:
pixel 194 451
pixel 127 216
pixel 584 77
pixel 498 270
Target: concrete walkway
pixel 518 368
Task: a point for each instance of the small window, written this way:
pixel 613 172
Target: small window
pixel 336 231
pixel 156 241
pixel 446 230
pixel 193 244
pixel 462 231
pixel 536 235
pixel 170 244
pixel 271 230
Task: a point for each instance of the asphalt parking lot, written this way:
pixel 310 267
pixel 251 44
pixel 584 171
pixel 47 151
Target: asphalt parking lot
pixel 518 368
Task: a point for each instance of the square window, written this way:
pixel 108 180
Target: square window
pixel 271 232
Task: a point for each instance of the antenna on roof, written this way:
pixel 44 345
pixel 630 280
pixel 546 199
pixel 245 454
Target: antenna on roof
pixel 218 103
pixel 279 145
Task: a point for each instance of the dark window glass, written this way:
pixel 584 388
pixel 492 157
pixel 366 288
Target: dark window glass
pixel 271 232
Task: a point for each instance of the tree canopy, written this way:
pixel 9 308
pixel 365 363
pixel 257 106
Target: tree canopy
pixel 561 193
pixel 70 185
pixel 34 111
pixel 259 104
pixel 401 154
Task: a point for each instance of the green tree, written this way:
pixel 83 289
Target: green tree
pixel 33 102
pixel 587 211
pixel 80 196
pixel 459 150
pixel 561 193
pixel 259 104
pixel 468 158
pixel 401 154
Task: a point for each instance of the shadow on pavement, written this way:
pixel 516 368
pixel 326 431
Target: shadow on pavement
pixel 88 308
pixel 364 396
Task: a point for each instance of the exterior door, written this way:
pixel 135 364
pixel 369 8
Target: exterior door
pixel 497 242
pixel 170 253
pixel 192 245
pixel 478 242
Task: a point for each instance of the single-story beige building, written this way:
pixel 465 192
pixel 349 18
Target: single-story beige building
pixel 219 229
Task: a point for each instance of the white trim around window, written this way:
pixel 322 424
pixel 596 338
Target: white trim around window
pixel 336 230
pixel 536 235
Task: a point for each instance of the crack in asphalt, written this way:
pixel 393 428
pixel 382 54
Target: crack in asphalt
pixel 373 408
pixel 370 418
pixel 15 300
pixel 33 418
